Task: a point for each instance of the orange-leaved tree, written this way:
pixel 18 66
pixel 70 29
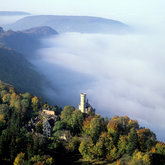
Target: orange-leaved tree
pixel 144 137
pixel 86 124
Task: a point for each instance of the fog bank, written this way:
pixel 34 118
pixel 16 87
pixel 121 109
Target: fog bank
pixel 4 20
pixel 121 74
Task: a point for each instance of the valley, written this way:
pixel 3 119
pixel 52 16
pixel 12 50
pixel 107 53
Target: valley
pixel 50 59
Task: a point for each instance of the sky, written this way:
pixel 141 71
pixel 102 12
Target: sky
pixel 121 74
pixel 103 8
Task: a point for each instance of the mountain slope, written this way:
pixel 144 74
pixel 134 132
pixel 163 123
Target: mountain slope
pixel 19 41
pixel 14 69
pixel 25 42
pixel 83 24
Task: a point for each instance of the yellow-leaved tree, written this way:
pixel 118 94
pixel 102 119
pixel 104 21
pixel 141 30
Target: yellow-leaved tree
pixel 86 149
pixel 122 144
pixel 109 147
pixel 19 160
pixel 140 158
pixel 160 148
pixel 35 103
pixel 6 98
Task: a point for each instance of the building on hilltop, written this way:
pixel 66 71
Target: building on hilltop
pixel 84 106
pixel 48 112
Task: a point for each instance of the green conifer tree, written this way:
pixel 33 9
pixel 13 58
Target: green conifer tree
pixel 132 141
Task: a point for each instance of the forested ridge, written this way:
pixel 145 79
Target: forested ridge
pixel 78 138
pixel 15 48
pixel 19 41
pixel 15 69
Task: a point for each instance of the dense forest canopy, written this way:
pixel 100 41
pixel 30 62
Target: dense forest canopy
pixel 87 137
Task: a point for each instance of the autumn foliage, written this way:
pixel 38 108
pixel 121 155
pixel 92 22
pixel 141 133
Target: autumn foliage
pixel 119 140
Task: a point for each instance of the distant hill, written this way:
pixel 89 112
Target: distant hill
pixel 82 24
pixel 25 42
pixel 43 31
pixel 13 13
pixel 15 70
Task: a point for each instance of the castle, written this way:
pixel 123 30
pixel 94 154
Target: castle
pixel 84 106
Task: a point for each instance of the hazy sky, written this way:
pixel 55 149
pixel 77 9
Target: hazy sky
pixel 121 74
pixel 106 8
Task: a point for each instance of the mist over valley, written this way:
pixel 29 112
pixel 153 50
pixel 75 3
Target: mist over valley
pixel 9 17
pixel 122 74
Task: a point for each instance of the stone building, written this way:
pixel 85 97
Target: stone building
pixel 84 106
pixel 48 114
pixel 48 128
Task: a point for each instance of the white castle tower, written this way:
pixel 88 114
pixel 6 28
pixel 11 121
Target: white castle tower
pixel 84 106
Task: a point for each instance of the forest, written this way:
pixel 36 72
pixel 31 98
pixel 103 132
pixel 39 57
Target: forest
pixel 18 72
pixel 89 138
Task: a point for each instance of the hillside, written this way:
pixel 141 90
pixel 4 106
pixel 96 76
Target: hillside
pixel 82 24
pixel 25 42
pixel 15 70
pixel 43 31
pixel 76 137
